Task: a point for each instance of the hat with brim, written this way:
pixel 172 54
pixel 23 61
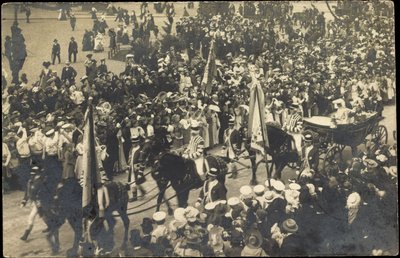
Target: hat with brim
pixel 353 199
pixel 159 216
pixel 46 64
pixel 50 132
pixel 278 185
pixel 210 206
pixel 269 196
pixel 212 172
pixel 294 186
pixel 89 55
pixel 308 137
pixel 233 201
pixel 258 189
pixel 193 238
pixel 253 239
pixel 370 163
pixel 290 226
pixel 246 191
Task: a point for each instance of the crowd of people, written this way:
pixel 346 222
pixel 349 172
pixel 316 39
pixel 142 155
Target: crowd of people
pixel 303 64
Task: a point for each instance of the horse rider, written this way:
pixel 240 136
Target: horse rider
pixel 310 158
pixel 232 139
pixel 212 190
pixel 195 149
pixel 32 193
pixel 294 126
pixel 134 176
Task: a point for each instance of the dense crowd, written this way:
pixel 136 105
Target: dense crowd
pixel 298 58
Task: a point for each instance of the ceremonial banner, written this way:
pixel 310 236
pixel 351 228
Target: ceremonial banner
pixel 257 128
pixel 91 175
pixel 210 70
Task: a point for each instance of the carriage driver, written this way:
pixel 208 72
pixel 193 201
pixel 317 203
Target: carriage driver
pixel 195 149
pixel 294 126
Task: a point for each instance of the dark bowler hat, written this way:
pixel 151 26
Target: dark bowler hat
pixel 46 64
pixel 89 55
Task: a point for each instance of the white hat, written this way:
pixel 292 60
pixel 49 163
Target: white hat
pixel 191 213
pixel 271 180
pixel 209 206
pixel 258 189
pixel 179 214
pixel 67 126
pixel 233 201
pixel 246 191
pixel 353 199
pixel 129 55
pixel 269 196
pixel 49 132
pixel 294 186
pixel 278 185
pixel 159 216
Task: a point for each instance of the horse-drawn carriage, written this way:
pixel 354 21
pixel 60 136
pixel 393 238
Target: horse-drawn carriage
pixel 332 139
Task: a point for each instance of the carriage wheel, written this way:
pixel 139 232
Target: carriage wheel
pixel 330 162
pixel 380 135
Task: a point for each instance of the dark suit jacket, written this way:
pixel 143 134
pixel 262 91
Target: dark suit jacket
pixel 73 47
pixel 218 192
pixel 68 73
pixel 55 49
pixel 293 245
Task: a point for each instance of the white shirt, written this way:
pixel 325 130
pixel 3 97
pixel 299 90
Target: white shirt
pixel 51 144
pixel 22 144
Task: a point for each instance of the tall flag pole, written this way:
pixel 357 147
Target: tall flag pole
pixel 256 127
pixel 210 71
pixel 90 177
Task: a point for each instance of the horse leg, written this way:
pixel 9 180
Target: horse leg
pixel 125 220
pixel 253 180
pixel 77 227
pixel 170 210
pixel 161 194
pixel 182 196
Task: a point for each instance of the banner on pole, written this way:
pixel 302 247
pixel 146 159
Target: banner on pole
pixel 256 126
pixel 210 71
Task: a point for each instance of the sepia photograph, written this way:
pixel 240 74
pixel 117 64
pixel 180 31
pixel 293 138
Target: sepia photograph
pixel 191 129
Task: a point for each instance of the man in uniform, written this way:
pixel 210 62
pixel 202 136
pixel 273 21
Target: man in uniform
pixel 135 177
pixel 32 193
pixel 232 139
pixel 195 149
pixel 212 190
pixel 161 230
pixel 294 126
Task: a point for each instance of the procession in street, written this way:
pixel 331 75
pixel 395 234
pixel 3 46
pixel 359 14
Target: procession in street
pixel 189 129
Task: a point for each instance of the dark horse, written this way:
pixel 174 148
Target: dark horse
pixel 67 205
pixel 280 149
pixel 168 167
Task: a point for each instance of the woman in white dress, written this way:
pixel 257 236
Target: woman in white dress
pixel 99 43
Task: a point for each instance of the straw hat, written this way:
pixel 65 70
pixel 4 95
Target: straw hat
pixel 246 191
pixel 159 216
pixel 290 226
pixel 233 201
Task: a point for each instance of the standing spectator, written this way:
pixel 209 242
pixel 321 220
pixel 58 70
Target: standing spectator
pixel 93 12
pixel 72 49
pixel 102 68
pixel 55 51
pixel 72 21
pixel 45 75
pixel 27 13
pixel 68 74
